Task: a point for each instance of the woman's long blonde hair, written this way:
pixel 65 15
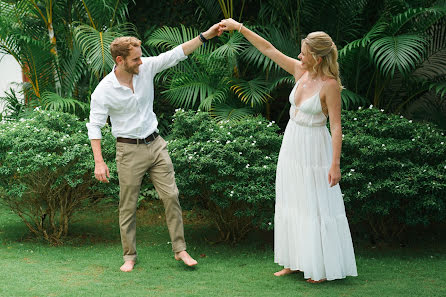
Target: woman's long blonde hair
pixel 320 44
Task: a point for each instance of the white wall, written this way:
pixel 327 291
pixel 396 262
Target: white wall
pixel 10 72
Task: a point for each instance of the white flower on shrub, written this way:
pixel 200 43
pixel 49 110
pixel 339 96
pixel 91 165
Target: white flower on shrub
pixel 371 106
pixel 239 153
pixel 247 166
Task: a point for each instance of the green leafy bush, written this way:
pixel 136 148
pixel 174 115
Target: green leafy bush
pixel 227 169
pixel 393 171
pixel 47 170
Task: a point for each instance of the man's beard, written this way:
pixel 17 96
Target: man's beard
pixel 131 70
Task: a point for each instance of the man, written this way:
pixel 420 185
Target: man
pixel 126 95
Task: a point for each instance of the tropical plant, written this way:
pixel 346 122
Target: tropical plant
pixel 206 80
pixel 393 172
pixel 46 170
pixel 64 66
pixel 400 61
pixel 392 53
pixel 226 169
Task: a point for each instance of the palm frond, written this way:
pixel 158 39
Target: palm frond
pixel 429 107
pixel 53 101
pixel 217 97
pixel 434 64
pixel 350 100
pixel 95 45
pixel 209 10
pixel 377 31
pixel 281 40
pixel 13 106
pixel 402 52
pixel 72 68
pixel 439 88
pixel 102 14
pixel 233 44
pixel 166 38
pixel 223 112
pixel 288 80
pixel 253 92
pixel 187 90
pixel 416 15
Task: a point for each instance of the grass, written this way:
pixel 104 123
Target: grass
pixel 88 264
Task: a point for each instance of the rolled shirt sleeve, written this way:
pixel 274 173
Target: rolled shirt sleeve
pixel 98 117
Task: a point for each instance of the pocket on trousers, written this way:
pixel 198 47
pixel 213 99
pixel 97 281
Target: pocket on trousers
pixel 165 156
pixel 119 152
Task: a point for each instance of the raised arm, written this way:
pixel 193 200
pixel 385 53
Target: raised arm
pixel 193 44
pixel 290 65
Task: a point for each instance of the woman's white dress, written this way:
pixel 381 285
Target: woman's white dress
pixel 311 231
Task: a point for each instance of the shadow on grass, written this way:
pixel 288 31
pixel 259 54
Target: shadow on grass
pixel 99 225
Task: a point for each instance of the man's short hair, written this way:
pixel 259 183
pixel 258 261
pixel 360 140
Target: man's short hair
pixel 121 46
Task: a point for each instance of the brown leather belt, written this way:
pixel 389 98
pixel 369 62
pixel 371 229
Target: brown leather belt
pixel 146 140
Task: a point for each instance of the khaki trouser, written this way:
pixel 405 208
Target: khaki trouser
pixel 133 161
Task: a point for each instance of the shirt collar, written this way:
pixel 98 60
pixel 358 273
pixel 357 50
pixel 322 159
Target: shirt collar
pixel 115 80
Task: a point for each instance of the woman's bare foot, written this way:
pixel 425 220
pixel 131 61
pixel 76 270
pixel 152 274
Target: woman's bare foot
pixel 285 271
pixel 316 282
pixel 127 266
pixel 186 258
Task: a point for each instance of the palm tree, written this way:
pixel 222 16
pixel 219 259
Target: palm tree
pixel 211 78
pixel 63 68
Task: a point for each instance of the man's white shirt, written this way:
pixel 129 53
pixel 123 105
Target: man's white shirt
pixel 131 113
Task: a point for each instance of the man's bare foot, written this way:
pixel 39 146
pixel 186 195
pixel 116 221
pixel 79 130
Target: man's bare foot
pixel 127 266
pixel 186 258
pixel 316 282
pixel 285 271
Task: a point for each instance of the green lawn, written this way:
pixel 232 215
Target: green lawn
pixel 88 264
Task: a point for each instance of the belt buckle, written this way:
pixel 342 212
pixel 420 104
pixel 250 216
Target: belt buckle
pixel 150 139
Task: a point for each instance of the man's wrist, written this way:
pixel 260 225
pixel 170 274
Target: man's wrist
pixel 99 162
pixel 204 37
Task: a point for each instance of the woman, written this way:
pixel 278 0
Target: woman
pixel 311 231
